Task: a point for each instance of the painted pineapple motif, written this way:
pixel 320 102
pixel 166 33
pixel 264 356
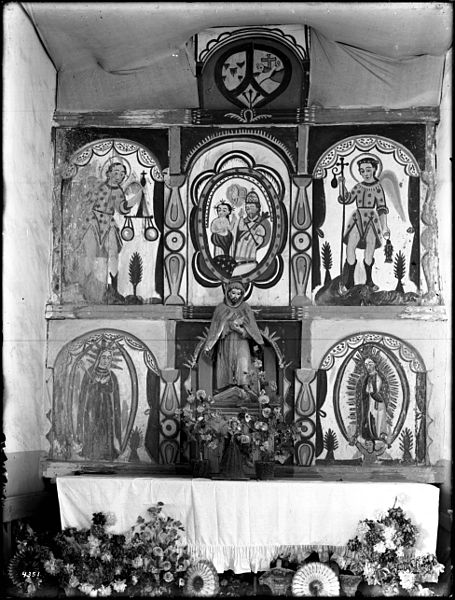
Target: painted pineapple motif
pixel 330 444
pixel 327 262
pixel 134 443
pixel 399 270
pixel 406 444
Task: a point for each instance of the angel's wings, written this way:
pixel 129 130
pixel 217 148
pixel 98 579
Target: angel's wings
pixel 391 187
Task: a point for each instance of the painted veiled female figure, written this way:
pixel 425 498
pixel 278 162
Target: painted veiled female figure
pixel 233 326
pixel 98 421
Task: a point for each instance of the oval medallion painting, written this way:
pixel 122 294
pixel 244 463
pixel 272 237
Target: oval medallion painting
pixel 240 225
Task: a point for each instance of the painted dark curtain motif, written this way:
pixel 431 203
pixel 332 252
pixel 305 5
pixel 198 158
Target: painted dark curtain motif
pixel 366 198
pixel 101 381
pixel 110 242
pixel 373 388
pixel 239 224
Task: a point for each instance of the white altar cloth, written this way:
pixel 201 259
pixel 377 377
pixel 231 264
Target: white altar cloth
pixel 243 525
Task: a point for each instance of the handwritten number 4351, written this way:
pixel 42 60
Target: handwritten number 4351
pixel 31 574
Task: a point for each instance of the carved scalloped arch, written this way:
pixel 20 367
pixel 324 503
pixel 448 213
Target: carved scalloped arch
pixel 405 350
pixel 75 347
pixel 122 147
pixel 366 143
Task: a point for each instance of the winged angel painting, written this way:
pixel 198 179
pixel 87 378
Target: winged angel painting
pixel 370 232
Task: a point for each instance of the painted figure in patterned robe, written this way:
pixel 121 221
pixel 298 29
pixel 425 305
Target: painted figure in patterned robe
pixel 253 233
pixel 98 420
pixel 102 238
pixel 374 411
pixel 232 328
pixel 368 224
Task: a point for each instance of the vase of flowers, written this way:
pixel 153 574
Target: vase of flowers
pixel 383 553
pixel 203 426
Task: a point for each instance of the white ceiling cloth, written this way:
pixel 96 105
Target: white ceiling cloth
pixel 126 56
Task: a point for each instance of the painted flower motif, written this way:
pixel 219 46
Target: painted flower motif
pixel 201 394
pixel 157 551
pixel 119 586
pixel 168 577
pixel 200 408
pixel 257 363
pixel 166 566
pixel 264 427
pixel 245 439
pixel 407 579
pixel 266 412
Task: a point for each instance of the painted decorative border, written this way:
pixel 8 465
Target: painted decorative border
pixel 366 143
pixel 405 352
pixel 228 37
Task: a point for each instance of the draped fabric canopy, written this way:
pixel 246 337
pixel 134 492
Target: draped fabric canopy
pixel 126 56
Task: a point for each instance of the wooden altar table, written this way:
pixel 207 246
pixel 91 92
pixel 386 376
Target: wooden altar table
pixel 243 525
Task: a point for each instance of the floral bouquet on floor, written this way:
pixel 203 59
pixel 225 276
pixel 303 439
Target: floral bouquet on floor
pixel 383 553
pixel 149 560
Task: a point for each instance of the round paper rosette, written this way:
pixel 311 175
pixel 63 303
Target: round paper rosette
pixel 315 579
pixel 24 561
pixel 201 579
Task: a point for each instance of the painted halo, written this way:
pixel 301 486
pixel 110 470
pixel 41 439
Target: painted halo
pixel 201 579
pixel 117 158
pixel 315 579
pixel 355 170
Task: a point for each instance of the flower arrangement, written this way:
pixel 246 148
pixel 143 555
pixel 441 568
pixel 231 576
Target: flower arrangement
pixel 203 425
pixel 150 559
pixel 383 552
pixel 271 438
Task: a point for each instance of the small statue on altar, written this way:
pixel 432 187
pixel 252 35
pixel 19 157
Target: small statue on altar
pixel 232 330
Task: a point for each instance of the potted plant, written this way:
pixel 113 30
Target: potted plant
pixel 383 553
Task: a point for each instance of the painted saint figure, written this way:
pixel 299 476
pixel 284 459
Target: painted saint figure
pixel 374 405
pixel 98 419
pixel 368 224
pixel 232 328
pixel 253 232
pixel 102 238
pixel 221 228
